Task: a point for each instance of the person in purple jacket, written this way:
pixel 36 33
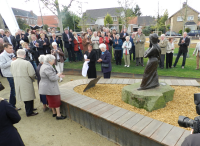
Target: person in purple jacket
pixel 105 60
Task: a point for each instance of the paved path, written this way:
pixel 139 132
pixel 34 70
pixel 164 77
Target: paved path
pixel 44 130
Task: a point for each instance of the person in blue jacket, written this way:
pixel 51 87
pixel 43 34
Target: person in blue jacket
pixel 9 135
pixel 118 49
pixel 133 46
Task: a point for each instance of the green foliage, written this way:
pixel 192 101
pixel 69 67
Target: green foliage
pixel 160 26
pixel 69 19
pixel 187 30
pixel 127 12
pixel 45 27
pixel 137 11
pixel 130 12
pixel 180 31
pixel 22 24
pixel 108 20
pixel 93 29
pixel 147 30
pixel 58 28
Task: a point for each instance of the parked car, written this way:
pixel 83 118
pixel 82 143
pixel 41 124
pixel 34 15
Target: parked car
pixel 194 33
pixel 172 33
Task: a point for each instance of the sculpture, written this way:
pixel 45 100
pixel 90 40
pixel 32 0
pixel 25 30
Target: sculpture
pixel 150 76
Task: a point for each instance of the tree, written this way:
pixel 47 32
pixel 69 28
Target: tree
pixel 45 27
pixel 70 19
pixel 83 21
pixel 125 13
pixel 160 25
pixel 187 29
pixel 137 11
pixel 54 7
pixel 22 24
pixel 108 20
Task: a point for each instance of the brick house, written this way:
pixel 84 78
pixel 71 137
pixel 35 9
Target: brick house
pixel 28 16
pixel 95 17
pixel 50 20
pixel 177 19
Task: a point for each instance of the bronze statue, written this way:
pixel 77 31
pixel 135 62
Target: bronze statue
pixel 150 76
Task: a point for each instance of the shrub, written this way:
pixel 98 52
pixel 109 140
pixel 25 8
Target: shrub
pixel 187 30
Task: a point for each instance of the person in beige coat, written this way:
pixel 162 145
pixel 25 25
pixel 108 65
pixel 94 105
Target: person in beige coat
pixel 163 45
pixel 24 75
pixel 139 42
pixel 197 53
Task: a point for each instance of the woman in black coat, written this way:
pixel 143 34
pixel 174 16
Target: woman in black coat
pixel 91 56
pixel 9 135
pixel 45 44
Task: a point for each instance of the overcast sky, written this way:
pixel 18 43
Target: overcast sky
pixel 148 7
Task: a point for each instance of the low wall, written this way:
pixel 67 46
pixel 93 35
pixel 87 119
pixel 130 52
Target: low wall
pixel 114 123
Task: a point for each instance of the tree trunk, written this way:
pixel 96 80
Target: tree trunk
pixel 60 24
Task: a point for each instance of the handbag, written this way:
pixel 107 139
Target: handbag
pixel 1 86
pixel 105 65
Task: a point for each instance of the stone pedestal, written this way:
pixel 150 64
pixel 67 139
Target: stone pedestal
pixel 151 99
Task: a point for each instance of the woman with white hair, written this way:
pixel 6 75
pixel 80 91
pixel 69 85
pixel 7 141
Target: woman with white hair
pixel 126 48
pixel 59 60
pixel 48 85
pixel 105 60
pixel 42 97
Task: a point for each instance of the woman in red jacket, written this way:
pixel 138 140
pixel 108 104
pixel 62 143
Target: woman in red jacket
pixel 78 47
pixel 104 39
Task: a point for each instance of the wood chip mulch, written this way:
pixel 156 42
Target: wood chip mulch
pixel 182 104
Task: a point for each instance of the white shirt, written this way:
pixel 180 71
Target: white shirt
pixel 9 40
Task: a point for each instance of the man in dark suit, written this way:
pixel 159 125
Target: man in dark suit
pixel 21 36
pixel 9 135
pixel 36 46
pixel 123 35
pixel 183 49
pixel 10 39
pixel 68 38
pixel 2 33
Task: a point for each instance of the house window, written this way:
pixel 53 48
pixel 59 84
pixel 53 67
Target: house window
pixel 114 18
pixel 179 18
pixel 190 18
pixel 27 21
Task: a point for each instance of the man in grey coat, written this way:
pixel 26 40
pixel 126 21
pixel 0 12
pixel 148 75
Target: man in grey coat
pixel 163 45
pixel 6 58
pixel 24 75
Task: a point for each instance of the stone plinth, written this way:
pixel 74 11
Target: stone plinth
pixel 151 99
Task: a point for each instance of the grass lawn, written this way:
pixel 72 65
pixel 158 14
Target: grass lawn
pixel 189 70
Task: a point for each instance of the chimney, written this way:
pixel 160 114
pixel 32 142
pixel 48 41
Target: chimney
pixel 184 4
pixel 31 13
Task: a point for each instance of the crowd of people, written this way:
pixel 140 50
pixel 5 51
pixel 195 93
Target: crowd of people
pixel 32 54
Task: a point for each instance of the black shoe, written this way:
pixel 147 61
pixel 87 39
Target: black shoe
pixel 34 109
pixel 61 117
pixel 54 115
pixel 33 114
